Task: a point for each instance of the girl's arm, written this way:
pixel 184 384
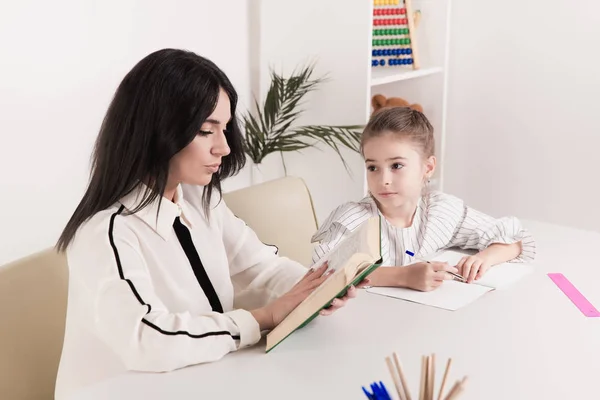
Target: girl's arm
pixel 497 253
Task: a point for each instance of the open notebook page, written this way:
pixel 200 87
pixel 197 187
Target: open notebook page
pixel 500 276
pixel 450 296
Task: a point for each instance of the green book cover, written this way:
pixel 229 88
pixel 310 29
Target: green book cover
pixel 355 281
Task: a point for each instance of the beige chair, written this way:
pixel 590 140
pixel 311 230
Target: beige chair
pixel 33 303
pixel 281 213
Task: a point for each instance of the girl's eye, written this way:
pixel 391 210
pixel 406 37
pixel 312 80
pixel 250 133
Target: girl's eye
pixel 371 168
pixel 397 166
pixel 204 133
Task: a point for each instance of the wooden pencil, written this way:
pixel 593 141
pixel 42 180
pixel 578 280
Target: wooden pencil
pixel 395 378
pixel 460 387
pixel 405 387
pixel 452 391
pixel 432 377
pixel 427 377
pixel 444 379
pixel 423 377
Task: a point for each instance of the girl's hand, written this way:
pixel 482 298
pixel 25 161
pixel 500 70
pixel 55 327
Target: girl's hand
pixel 473 267
pixel 428 276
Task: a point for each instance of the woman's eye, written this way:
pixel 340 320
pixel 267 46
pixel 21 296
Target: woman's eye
pixel 204 133
pixel 397 166
pixel 371 168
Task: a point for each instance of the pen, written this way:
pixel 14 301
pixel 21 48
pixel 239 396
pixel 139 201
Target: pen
pixel 369 395
pixel 456 276
pixel 379 392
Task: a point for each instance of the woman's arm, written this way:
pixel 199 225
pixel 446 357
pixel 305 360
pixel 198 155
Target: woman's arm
pixel 258 273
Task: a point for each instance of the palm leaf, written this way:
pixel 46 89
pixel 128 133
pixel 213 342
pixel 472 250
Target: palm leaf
pixel 271 129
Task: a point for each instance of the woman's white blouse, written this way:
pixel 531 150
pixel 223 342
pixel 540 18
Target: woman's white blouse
pixel 164 288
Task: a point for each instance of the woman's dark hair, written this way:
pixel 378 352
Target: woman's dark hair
pixel 156 111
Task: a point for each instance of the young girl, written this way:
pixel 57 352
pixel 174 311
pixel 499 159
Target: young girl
pixel 398 147
pixel 161 271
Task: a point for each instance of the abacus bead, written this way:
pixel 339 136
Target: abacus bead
pixel 382 62
pixel 402 11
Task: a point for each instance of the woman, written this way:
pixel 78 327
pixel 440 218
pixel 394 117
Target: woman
pixel 162 274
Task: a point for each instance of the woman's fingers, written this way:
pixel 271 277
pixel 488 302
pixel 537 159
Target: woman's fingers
pixel 335 305
pixel 364 283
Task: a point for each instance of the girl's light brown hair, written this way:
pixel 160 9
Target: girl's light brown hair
pixel 403 123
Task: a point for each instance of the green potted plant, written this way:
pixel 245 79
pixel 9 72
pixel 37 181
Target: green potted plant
pixel 272 130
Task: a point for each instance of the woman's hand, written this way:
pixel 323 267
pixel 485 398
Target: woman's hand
pixel 272 314
pixel 473 267
pixel 427 276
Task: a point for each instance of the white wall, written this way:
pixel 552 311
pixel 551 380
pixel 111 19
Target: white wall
pixel 60 64
pixel 523 136
pixel 293 33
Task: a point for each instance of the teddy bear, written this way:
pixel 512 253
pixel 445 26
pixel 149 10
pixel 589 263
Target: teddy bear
pixel 379 101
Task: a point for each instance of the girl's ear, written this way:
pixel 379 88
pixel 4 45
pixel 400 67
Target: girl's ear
pixel 430 167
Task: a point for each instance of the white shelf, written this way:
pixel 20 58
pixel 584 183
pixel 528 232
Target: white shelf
pixel 383 75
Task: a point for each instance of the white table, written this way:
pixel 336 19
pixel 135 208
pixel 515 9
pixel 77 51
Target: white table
pixel 528 342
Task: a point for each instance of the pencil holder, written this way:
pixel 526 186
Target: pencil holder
pixel 426 390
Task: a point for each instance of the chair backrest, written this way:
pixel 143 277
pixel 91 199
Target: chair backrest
pixel 281 213
pixel 33 304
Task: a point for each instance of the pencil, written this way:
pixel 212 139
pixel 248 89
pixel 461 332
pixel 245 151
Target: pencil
pixel 444 378
pixel 459 388
pixel 395 378
pixel 452 392
pixel 423 377
pixel 405 388
pixel 431 376
pixel 456 276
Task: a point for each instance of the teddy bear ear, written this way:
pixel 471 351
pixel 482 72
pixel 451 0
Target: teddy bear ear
pixel 417 107
pixel 378 101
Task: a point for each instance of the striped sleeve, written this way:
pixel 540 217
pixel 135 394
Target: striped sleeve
pixel 473 229
pixel 343 220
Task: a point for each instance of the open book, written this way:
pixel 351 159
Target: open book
pixel 453 295
pixel 353 259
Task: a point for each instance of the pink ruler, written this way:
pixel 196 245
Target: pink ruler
pixel 574 295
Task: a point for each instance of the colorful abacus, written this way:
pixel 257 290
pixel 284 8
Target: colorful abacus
pixel 393 34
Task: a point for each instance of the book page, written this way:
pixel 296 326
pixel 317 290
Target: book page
pixel 349 246
pixel 500 276
pixel 451 295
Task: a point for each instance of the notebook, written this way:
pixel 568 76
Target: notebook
pixel 353 259
pixel 453 295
